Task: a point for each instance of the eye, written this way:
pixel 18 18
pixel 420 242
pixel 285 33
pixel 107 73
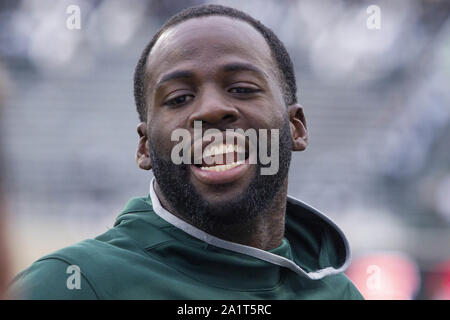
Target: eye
pixel 180 100
pixel 243 90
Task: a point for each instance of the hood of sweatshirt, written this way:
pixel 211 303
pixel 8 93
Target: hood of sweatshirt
pixel 313 246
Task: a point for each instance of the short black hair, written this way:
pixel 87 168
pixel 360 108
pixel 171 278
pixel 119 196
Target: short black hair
pixel 279 52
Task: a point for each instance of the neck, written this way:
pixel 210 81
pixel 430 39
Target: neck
pixel 264 232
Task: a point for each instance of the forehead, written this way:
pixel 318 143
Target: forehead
pixel 206 41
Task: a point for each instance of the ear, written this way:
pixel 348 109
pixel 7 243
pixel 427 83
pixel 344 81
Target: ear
pixel 142 152
pixel 299 132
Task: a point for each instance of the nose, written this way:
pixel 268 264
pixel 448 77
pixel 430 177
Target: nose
pixel 213 110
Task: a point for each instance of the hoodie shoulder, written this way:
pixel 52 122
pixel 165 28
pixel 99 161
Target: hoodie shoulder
pixel 51 279
pixel 120 246
pixel 317 242
pixel 343 287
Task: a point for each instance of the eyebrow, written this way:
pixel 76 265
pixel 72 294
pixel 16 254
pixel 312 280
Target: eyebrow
pixel 231 67
pixel 239 66
pixel 179 74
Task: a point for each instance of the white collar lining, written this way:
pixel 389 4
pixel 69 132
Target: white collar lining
pixel 236 247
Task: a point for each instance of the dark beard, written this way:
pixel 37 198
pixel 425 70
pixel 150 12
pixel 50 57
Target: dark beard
pixel 174 182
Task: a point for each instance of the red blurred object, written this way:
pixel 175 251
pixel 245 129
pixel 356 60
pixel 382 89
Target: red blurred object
pixel 385 276
pixel 438 282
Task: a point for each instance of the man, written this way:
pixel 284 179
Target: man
pixel 217 228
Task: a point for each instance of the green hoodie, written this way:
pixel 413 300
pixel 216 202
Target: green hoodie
pixel 152 254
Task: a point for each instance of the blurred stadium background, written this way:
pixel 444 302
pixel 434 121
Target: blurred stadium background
pixel 377 104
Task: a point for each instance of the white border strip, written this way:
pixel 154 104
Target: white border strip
pixel 243 249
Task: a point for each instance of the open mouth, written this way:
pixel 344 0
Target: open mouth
pixel 222 157
pixel 222 163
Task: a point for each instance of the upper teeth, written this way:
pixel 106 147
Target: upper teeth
pixel 221 149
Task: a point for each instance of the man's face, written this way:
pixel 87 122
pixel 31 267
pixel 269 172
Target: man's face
pixel 219 71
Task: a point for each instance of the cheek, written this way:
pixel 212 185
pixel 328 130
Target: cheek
pixel 160 139
pixel 279 108
pixel 162 129
pixel 268 112
pixel 266 117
